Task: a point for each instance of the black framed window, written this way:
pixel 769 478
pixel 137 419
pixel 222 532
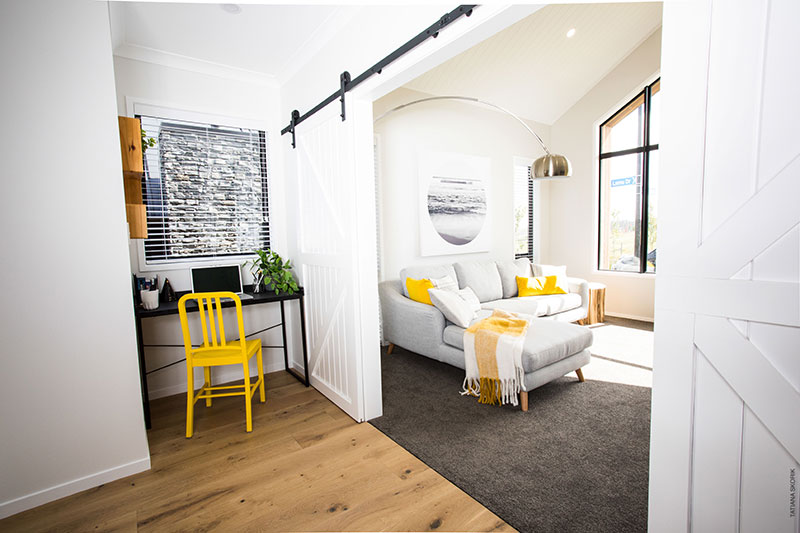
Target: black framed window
pixel 629 184
pixel 523 212
pixel 205 191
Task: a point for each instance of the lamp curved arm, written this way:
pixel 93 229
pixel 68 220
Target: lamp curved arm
pixel 468 99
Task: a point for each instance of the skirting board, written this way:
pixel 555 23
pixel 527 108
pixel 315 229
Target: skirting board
pixel 631 317
pixel 44 496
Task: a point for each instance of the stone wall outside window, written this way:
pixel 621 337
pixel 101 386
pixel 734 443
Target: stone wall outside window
pixel 212 194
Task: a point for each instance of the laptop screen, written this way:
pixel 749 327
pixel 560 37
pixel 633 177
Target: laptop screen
pixel 217 278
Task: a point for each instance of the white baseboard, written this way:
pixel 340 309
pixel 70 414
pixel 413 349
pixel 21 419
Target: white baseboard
pixel 631 317
pixel 225 375
pixel 23 503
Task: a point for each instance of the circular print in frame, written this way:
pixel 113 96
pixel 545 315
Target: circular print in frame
pixel 457 207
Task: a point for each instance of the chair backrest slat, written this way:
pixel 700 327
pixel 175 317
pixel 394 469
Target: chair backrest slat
pixel 201 309
pixel 212 326
pixel 223 340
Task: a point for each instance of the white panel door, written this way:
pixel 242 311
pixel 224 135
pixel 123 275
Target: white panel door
pixel 330 256
pixel 725 442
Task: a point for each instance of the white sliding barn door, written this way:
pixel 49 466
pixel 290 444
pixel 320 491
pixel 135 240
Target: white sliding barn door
pixel 726 382
pixel 336 256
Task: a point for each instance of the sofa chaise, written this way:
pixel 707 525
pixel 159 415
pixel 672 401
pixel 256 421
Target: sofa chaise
pixel 553 346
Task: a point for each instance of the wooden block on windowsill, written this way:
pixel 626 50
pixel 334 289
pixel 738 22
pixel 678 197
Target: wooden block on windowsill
pixel 133 190
pixel 137 220
pixel 130 144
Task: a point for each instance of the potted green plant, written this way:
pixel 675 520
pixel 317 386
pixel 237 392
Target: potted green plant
pixel 271 271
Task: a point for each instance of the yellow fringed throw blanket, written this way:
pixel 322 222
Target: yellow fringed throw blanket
pixel 493 358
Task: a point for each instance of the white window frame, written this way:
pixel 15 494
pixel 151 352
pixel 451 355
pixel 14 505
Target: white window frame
pixel 136 106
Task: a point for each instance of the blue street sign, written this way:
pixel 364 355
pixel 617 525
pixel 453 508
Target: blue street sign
pixel 621 182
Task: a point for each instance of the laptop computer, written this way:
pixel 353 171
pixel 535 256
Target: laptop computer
pixel 218 278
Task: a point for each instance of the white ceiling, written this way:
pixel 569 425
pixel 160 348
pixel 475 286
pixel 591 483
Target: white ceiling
pixel 531 67
pixel 534 70
pixel 264 39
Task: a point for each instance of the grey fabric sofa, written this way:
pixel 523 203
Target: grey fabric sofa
pixel 553 346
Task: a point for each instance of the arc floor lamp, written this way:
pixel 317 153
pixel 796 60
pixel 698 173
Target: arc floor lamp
pixel 546 167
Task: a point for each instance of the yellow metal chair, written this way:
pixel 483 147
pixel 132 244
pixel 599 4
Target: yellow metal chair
pixel 217 351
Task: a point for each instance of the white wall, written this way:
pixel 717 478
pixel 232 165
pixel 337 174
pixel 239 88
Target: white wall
pixel 366 39
pixel 573 202
pixel 345 51
pixel 356 47
pixel 70 405
pixel 372 33
pixel 359 44
pixel 445 126
pixel 226 94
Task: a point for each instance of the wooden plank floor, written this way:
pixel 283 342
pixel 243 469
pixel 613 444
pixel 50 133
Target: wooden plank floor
pixel 306 466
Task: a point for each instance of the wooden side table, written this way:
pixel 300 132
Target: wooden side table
pixel 597 305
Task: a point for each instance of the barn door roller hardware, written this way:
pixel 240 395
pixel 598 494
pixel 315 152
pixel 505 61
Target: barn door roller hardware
pixel 346 83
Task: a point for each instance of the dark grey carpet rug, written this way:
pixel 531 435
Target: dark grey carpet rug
pixel 576 461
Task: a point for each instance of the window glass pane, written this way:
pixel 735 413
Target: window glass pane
pixel 521 213
pixel 652 211
pixel 620 212
pixel 625 129
pixel 655 113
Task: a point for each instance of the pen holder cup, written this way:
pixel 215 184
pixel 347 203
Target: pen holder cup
pixel 149 299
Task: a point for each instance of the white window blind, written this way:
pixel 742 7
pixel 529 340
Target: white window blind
pixel 523 212
pixel 205 188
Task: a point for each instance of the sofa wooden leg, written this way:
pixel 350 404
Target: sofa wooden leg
pixel 523 400
pixel 389 350
pixel 580 375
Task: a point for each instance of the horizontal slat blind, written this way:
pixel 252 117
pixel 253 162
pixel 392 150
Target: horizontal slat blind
pixel 205 189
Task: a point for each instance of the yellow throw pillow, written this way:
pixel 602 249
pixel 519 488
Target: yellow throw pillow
pixel 540 286
pixel 418 290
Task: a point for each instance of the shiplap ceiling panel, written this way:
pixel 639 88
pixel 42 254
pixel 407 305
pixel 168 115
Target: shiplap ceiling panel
pixel 534 70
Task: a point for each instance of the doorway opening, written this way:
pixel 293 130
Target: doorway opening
pixel 421 405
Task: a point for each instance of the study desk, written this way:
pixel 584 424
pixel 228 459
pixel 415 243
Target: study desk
pixel 171 308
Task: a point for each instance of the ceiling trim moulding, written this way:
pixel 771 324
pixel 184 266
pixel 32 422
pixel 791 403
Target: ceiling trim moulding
pixel 177 61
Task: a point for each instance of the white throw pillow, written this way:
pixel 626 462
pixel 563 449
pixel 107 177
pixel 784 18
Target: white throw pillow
pixel 552 270
pixel 455 308
pixel 560 272
pixel 549 270
pixel 445 283
pixel 471 298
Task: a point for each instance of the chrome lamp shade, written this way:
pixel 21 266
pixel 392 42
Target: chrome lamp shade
pixel 551 166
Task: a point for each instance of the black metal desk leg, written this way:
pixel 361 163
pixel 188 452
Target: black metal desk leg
pixel 303 333
pixel 283 330
pixel 143 374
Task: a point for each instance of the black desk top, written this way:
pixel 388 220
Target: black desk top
pixel 171 308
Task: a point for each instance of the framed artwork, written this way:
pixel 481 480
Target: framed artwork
pixel 454 200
